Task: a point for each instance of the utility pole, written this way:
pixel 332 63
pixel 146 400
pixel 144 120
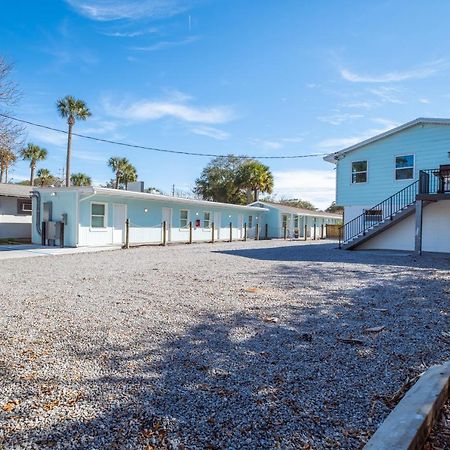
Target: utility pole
pixel 173 190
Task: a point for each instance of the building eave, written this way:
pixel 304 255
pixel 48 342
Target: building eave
pixel 147 196
pixel 335 156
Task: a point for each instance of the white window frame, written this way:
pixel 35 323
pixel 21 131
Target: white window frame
pixel 209 220
pixel 105 217
pixel 187 220
pixel 363 171
pixel 400 168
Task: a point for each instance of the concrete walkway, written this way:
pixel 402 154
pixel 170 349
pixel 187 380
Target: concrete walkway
pixel 30 250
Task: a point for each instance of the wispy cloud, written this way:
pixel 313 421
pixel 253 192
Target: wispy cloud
pixel 343 142
pixel 387 94
pixel 293 140
pixel 420 72
pixel 316 186
pixel 130 34
pixel 42 136
pixel 166 44
pixel 211 132
pixel 424 101
pixel 86 155
pixel 100 127
pixel 145 110
pixel 266 144
pixel 339 117
pixel 111 10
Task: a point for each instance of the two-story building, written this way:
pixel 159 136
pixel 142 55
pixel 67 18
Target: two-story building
pixel 395 188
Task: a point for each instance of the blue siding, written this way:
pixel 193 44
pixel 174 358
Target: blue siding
pixel 62 203
pixel 429 144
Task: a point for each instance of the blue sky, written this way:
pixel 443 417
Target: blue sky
pixel 220 76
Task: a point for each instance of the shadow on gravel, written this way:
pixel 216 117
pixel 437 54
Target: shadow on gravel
pixel 329 253
pixel 264 377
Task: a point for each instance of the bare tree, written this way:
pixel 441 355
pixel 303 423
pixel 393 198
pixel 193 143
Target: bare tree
pixel 10 131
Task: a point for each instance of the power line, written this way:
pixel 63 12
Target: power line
pixel 155 149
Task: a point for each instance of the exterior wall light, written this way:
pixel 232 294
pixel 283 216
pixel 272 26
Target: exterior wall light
pixel 145 210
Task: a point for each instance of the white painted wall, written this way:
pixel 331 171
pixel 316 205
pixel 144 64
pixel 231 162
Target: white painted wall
pixel 436 232
pixel 436 227
pixel 350 212
pixel 13 225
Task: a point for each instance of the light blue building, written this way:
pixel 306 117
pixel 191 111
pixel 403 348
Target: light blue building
pixel 394 188
pixel 298 222
pixel 95 216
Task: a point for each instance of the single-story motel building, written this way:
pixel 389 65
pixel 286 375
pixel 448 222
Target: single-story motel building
pixel 95 216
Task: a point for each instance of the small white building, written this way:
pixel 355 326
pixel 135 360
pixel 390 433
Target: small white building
pixel 15 211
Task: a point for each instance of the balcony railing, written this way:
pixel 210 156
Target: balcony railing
pixel 431 181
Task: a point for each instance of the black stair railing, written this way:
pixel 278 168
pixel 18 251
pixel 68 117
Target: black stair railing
pixel 430 181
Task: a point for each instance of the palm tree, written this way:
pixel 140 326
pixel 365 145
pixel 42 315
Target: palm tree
pixel 45 178
pixel 80 179
pixel 71 108
pixel 7 158
pixel 33 153
pixel 129 175
pixel 119 166
pixel 256 177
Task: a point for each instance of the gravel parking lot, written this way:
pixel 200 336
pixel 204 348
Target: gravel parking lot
pixel 238 345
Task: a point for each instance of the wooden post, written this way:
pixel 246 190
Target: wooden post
pixel 315 231
pixel 213 232
pixel 245 231
pixel 127 234
pixel 190 232
pixel 43 233
pixel 321 232
pixel 306 232
pixel 257 232
pixel 285 232
pixel 267 231
pixel 61 234
pixel 164 237
pixel 419 227
pixel 231 232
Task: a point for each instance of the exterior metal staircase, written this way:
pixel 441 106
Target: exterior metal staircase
pixel 390 211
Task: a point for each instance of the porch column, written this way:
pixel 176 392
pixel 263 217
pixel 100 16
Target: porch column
pixel 419 231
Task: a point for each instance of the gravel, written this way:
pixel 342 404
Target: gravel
pixel 233 345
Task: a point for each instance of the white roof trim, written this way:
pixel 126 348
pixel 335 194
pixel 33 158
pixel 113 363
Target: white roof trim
pixel 301 211
pixel 146 196
pixel 333 157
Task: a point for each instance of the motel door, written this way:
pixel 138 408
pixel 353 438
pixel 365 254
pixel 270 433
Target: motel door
pixel 167 217
pixel 119 218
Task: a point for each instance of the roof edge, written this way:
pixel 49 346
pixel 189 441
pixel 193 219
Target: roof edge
pixel 334 157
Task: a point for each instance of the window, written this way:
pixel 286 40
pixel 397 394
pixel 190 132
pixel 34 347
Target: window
pixel 250 221
pixel 184 218
pixel 295 221
pixel 359 172
pixel 98 215
pixel 404 167
pixel 285 220
pixel 206 219
pixel 24 207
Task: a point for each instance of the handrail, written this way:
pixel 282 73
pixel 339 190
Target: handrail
pixel 390 206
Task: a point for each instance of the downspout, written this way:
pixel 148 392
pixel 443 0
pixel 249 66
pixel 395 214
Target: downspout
pixel 37 196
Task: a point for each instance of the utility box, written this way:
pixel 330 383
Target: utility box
pixel 136 186
pixel 53 230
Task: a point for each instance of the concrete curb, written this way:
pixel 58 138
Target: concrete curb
pixel 408 425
